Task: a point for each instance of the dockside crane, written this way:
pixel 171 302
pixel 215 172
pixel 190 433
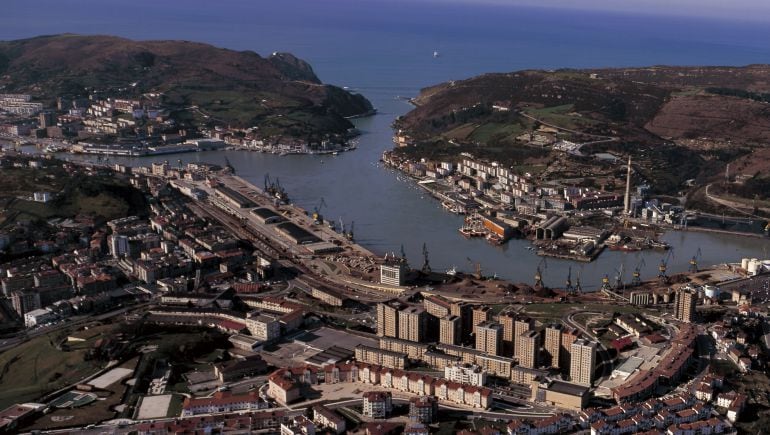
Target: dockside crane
pixel 342 226
pixel 636 281
pixel 619 278
pixel 663 266
pixel 229 166
pixel 476 266
pixel 578 286
pixel 425 261
pixel 351 235
pixel 694 262
pixel 317 217
pixel 543 265
pixel 606 283
pixel 568 284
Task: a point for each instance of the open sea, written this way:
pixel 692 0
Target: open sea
pixel 384 50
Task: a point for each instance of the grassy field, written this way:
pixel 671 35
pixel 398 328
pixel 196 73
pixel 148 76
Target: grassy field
pixel 37 367
pixel 561 116
pixel 97 196
pixel 549 312
pixel 98 411
pixel 491 130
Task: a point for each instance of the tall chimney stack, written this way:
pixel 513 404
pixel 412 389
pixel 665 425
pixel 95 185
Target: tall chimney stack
pixel 627 199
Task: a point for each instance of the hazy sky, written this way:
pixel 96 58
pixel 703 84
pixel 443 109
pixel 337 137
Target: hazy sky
pixel 754 10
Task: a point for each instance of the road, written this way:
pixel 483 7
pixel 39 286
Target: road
pixel 267 241
pixel 603 354
pixel 733 205
pixel 13 340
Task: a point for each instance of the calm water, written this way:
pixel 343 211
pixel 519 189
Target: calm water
pixel 384 50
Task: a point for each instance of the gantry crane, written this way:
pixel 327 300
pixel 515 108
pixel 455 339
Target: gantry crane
pixel 694 262
pixel 425 260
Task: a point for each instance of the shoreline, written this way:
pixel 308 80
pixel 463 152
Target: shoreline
pixel 664 227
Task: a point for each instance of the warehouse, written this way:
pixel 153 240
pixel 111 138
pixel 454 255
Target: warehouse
pixel 267 216
pixel 235 198
pixel 296 233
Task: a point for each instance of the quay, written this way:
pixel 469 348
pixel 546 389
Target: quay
pixel 289 225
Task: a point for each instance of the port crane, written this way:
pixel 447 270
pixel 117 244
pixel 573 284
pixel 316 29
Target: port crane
pixel 637 275
pixel 568 284
pixel 606 287
pixel 425 261
pixel 578 286
pixel 317 217
pixel 543 265
pixel 619 278
pixel 350 233
pixel 229 166
pixel 663 266
pixel 694 261
pixel 476 268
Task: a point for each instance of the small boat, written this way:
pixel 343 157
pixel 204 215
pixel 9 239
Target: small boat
pixel 335 153
pixel 494 239
pixel 435 54
pixel 625 248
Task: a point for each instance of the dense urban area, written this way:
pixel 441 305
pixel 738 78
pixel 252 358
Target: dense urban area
pixel 219 304
pixel 181 298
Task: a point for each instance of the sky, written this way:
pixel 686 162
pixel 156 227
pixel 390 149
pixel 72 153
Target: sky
pixel 749 10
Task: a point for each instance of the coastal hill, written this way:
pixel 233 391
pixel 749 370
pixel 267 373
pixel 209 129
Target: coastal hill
pixel 681 122
pixel 238 88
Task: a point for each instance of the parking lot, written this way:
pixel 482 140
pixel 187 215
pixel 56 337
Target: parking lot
pixel 309 343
